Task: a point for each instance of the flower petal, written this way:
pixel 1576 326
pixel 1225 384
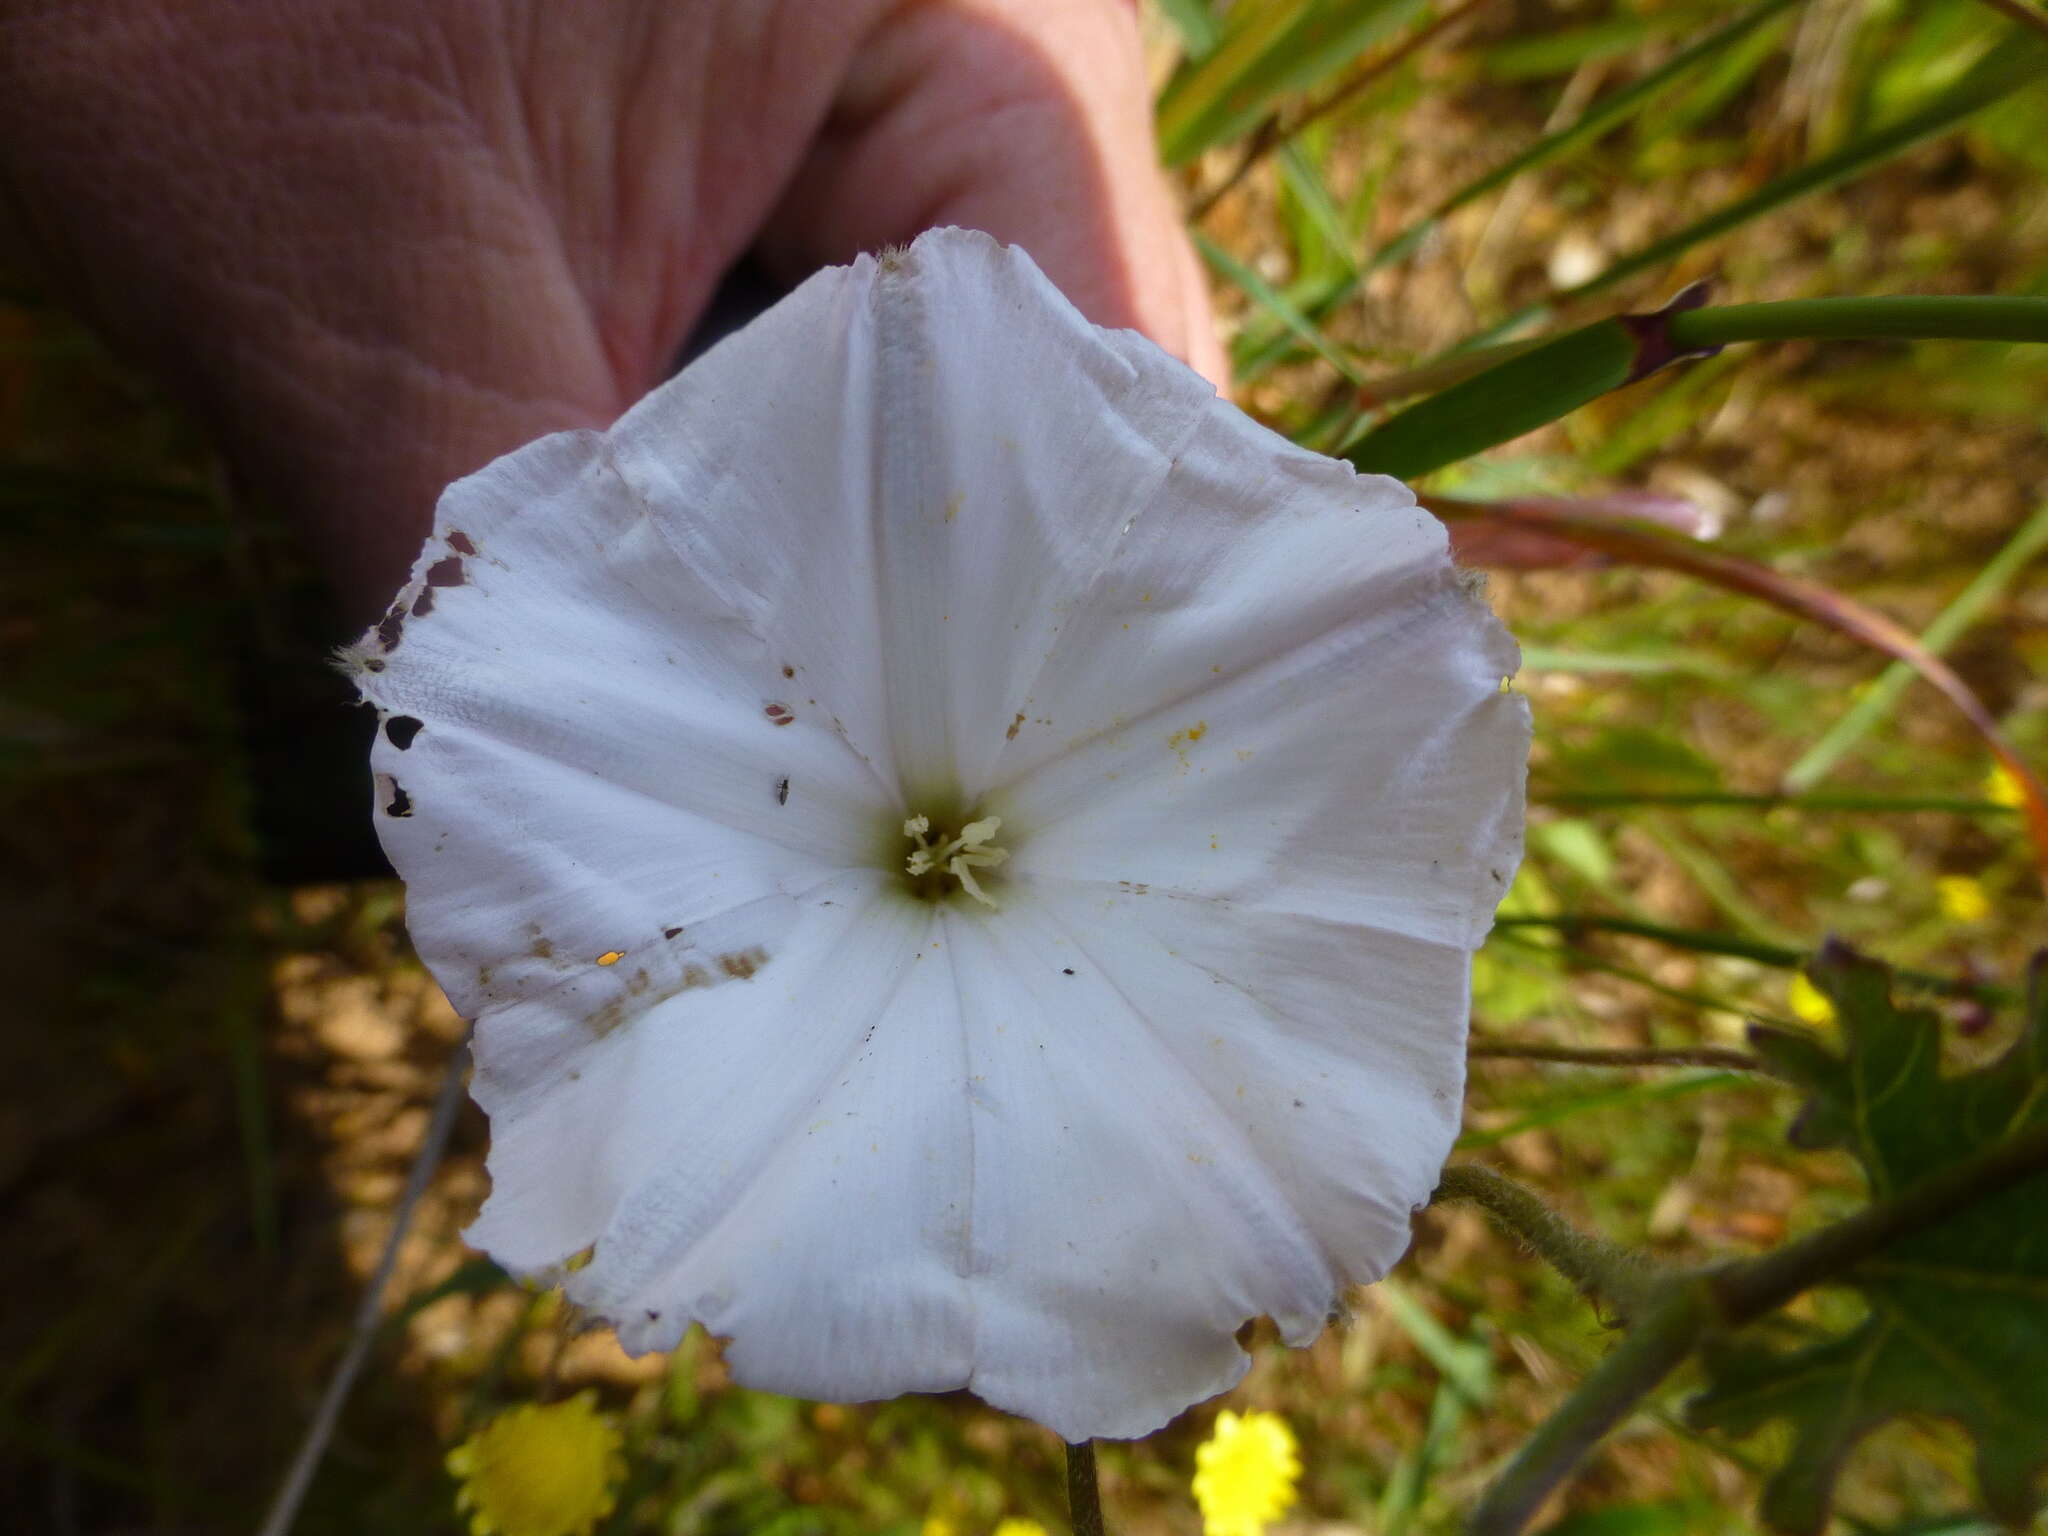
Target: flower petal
pixel 1313 722
pixel 1197 1118
pixel 656 703
pixel 577 757
pixel 811 1196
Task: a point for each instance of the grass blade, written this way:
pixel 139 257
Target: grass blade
pixel 1508 399
pixel 2022 61
pixel 1196 24
pixel 1878 700
pixel 1267 51
pixel 1604 114
pixel 1272 134
pixel 1705 799
pixel 1277 304
pixel 1553 379
pixel 1706 942
pixel 1603 1098
pixel 1641 543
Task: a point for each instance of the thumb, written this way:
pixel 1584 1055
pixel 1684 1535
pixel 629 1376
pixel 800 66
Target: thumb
pixel 1027 119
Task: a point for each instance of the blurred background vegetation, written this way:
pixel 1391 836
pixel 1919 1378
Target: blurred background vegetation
pixel 217 1074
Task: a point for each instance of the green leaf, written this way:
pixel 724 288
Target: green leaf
pixel 1958 1319
pixel 1560 51
pixel 1517 396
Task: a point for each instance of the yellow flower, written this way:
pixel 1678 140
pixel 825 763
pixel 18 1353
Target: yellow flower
pixel 938 1525
pixel 1245 1473
pixel 540 1470
pixel 1808 1003
pixel 1016 1527
pixel 2001 788
pixel 1962 898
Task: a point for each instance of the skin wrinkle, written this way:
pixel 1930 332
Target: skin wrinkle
pixel 884 112
pixel 375 243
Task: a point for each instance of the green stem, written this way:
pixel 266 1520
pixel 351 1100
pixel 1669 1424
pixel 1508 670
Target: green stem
pixel 1622 1056
pixel 1903 318
pixel 1703 942
pixel 1084 1493
pixel 1678 1313
pixel 1746 1291
pixel 1650 1351
pixel 1604 1273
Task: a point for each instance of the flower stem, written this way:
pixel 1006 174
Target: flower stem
pixel 1084 1495
pixel 1605 1273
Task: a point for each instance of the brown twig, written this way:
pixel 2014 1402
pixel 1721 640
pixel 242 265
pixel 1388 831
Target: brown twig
pixel 1084 1493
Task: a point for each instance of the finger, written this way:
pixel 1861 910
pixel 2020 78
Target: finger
pixel 1029 119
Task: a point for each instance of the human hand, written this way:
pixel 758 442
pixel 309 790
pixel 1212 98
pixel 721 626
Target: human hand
pixel 376 243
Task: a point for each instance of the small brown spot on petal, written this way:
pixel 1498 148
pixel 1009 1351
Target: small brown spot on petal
pixel 670 933
pixel 1016 725
pixel 780 714
pixel 446 572
pixel 400 731
pixel 391 628
pixel 741 964
pixel 788 670
pixel 424 603
pixel 460 542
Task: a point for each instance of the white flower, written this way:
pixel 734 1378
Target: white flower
pixel 964 851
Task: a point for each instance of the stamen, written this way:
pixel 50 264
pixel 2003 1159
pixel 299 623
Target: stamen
pixel 957 856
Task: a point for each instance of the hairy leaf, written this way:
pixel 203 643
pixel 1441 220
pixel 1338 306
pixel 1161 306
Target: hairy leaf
pixel 1958 1319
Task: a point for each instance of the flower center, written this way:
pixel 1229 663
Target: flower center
pixel 936 864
